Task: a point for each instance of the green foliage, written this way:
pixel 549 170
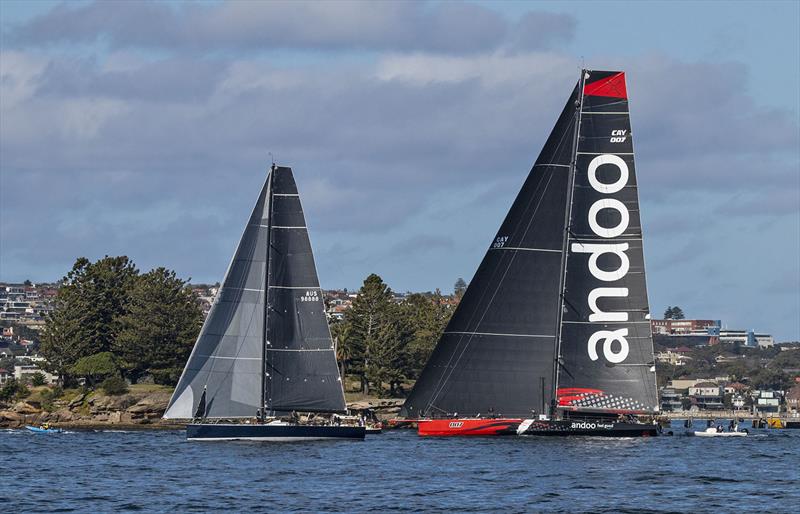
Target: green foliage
pixel 38 379
pixel 95 367
pixel 459 287
pixel 159 327
pixel 148 322
pixel 91 299
pixel 13 390
pixel 387 343
pixel 674 313
pixel 114 385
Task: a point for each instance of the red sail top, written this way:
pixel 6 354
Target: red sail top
pixel 612 86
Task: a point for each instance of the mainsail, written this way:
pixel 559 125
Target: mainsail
pixel 265 345
pixel 514 343
pixel 606 350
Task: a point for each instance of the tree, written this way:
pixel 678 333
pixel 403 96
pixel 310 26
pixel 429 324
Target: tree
pixel 674 313
pixel 38 379
pixel 371 314
pixel 426 319
pixel 27 283
pixel 159 327
pixel 91 299
pixel 460 287
pixel 95 367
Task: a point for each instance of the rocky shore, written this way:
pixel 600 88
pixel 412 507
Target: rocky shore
pixel 140 408
pixel 92 409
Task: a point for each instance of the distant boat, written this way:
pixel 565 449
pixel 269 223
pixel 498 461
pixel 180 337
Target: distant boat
pixel 713 432
pixel 552 336
pixel 264 355
pixel 40 430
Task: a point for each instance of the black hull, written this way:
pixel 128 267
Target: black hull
pixel 568 428
pixel 272 433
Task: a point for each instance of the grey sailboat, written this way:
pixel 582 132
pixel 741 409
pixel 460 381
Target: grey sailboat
pixel 265 354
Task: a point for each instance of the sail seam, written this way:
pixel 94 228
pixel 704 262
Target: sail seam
pixel 285 227
pixel 610 112
pixel 552 165
pixel 294 287
pixel 286 194
pixel 299 350
pixel 526 249
pixel 496 334
pixel 604 153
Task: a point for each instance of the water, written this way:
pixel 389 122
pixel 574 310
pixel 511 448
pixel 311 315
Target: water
pixel 160 471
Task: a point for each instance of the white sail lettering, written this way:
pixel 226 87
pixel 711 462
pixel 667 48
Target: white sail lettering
pixel 608 337
pixel 602 187
pixel 597 314
pixel 609 203
pixel 598 249
pixel 595 250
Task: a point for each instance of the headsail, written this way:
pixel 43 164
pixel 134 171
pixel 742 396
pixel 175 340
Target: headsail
pixel 227 358
pixel 606 350
pixel 498 351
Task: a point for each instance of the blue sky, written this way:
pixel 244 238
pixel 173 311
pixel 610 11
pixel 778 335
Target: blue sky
pixel 143 129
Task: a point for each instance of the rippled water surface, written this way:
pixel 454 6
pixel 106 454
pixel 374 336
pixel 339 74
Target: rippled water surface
pixel 160 471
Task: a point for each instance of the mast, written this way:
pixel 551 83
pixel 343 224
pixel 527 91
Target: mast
pixel 565 250
pixel 265 333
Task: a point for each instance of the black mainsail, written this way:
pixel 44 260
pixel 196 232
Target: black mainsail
pixel 520 340
pixel 265 346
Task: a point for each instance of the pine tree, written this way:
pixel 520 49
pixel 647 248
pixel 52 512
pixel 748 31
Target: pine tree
pixel 369 317
pixel 459 288
pixel 90 301
pixel 159 327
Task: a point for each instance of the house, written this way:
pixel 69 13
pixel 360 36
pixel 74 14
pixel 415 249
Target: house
pixel 25 372
pixel 5 376
pixel 706 396
pixel 767 402
pixel 793 401
pixel 673 358
pixel 671 400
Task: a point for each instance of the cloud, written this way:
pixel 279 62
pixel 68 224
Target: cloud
pixel 448 27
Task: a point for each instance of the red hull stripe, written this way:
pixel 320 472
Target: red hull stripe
pixel 613 86
pixel 467 427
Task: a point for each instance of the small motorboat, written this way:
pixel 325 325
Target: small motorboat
pixel 713 432
pixel 42 430
pixel 376 428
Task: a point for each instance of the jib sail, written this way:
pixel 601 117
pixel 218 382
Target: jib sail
pixel 497 354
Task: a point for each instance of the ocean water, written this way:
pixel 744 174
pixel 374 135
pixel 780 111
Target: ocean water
pixel 159 471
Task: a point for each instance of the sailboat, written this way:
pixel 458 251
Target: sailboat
pixel 552 336
pixel 264 359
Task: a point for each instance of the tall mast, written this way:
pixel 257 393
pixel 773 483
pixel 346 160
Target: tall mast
pixel 265 333
pixel 565 249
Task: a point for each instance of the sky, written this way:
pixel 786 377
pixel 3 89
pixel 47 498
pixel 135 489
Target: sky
pixel 145 129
